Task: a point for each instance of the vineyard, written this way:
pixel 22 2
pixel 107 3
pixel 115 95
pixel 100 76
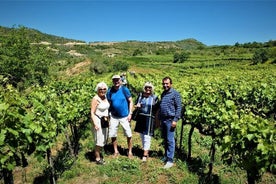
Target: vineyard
pixel 236 111
pixel 227 132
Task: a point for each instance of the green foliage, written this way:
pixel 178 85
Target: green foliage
pixel 102 66
pixel 15 134
pixel 120 66
pixel 260 56
pixel 98 67
pixel 181 57
pixel 238 112
pixel 272 54
pixel 238 115
pixel 250 145
pixel 22 63
pixel 14 56
pixel 270 43
pixel 137 52
pixel 31 122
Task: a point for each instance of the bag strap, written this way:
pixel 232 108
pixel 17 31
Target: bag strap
pixel 151 104
pixel 139 98
pixel 98 116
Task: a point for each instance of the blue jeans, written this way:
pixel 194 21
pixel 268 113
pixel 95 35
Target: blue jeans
pixel 168 136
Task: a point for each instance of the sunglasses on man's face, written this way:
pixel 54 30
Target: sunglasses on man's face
pixel 148 87
pixel 102 89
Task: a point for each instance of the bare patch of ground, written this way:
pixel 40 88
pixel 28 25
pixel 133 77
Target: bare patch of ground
pixel 78 68
pixel 74 53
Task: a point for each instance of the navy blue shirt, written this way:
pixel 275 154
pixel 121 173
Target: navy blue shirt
pixel 170 105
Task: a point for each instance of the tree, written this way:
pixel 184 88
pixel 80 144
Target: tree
pixel 14 56
pixel 260 56
pixel 181 57
pixel 98 67
pixel 120 66
pixel 137 52
pixel 20 62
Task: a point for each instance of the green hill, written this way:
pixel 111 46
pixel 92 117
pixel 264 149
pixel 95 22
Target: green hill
pixel 45 118
pixel 36 36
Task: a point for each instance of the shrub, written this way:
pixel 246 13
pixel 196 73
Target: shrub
pixel 260 56
pixel 98 67
pixel 120 66
pixel 181 57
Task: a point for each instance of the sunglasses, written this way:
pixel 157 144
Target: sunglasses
pixel 102 89
pixel 148 87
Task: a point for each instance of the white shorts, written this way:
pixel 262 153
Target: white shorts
pixel 100 135
pixel 114 125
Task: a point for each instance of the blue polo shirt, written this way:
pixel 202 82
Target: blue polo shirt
pixel 170 105
pixel 119 101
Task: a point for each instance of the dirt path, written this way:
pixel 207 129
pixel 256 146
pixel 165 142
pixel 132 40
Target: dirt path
pixel 78 68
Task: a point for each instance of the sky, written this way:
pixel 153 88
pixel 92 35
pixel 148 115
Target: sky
pixel 221 22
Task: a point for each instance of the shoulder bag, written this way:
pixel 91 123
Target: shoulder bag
pixel 136 111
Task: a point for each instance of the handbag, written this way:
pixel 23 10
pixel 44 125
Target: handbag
pixel 135 114
pixel 104 121
pixel 136 111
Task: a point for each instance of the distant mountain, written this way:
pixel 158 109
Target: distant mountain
pixel 189 44
pixel 37 36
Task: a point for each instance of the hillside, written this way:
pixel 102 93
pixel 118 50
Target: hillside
pixel 36 36
pixel 228 121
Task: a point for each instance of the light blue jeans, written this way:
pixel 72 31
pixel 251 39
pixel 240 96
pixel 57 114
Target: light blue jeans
pixel 168 135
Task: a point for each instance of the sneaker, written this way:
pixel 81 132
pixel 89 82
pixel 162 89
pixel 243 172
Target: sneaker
pixel 168 165
pixel 100 162
pixel 144 159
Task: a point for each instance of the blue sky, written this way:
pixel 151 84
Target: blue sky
pixel 210 22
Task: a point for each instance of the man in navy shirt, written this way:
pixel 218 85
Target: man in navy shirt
pixel 170 113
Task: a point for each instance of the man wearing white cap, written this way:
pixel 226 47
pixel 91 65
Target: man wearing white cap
pixel 121 104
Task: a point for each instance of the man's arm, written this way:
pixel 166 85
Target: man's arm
pixel 130 102
pixel 177 110
pixel 130 107
pixel 178 107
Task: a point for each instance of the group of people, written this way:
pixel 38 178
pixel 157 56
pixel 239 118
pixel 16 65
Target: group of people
pixel 116 103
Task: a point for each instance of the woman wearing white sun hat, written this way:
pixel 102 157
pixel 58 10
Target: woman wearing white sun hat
pixel 99 109
pixel 147 103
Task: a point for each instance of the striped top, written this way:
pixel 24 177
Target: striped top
pixel 170 105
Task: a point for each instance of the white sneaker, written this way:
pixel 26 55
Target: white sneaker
pixel 168 165
pixel 144 159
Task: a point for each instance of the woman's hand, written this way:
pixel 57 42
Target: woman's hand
pixel 137 105
pixel 96 127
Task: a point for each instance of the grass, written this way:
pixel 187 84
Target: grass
pixel 83 169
